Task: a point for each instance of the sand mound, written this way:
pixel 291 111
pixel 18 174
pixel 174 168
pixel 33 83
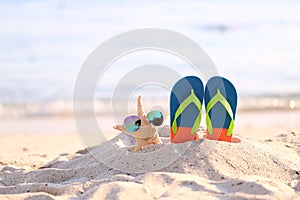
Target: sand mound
pixel 260 169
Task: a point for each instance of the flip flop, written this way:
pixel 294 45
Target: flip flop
pixel 186 109
pixel 220 103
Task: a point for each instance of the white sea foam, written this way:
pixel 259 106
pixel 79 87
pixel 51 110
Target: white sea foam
pixel 105 108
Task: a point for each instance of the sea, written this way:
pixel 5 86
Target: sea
pixel 44 44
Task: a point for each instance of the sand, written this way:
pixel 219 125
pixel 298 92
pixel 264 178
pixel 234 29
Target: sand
pixel 56 166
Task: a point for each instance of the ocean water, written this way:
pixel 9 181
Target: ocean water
pixel 43 45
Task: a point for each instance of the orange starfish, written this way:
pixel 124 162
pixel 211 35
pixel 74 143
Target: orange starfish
pixel 146 134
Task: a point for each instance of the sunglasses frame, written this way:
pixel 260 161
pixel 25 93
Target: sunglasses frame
pixel 162 116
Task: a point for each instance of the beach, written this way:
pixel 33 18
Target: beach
pixel 48 160
pixel 71 70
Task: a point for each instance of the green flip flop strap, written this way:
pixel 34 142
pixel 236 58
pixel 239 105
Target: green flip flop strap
pixel 192 98
pixel 219 98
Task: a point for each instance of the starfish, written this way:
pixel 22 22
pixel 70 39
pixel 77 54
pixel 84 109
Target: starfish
pixel 146 134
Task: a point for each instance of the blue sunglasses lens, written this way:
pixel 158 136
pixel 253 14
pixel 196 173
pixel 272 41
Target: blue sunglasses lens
pixel 132 123
pixel 155 117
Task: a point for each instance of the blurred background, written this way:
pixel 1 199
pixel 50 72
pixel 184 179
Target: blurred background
pixel 43 44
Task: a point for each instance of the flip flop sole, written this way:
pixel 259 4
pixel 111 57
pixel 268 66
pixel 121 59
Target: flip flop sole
pixel 180 92
pixel 220 119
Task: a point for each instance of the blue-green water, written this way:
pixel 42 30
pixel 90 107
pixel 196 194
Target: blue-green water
pixel 43 44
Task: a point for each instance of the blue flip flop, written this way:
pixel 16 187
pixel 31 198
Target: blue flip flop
pixel 186 109
pixel 220 103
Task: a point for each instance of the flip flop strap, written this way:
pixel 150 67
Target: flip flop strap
pixel 192 98
pixel 219 98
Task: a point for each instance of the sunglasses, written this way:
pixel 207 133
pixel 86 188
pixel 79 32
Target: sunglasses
pixel 132 123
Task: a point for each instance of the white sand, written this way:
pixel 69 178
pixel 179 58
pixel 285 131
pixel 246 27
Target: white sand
pixel 255 168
